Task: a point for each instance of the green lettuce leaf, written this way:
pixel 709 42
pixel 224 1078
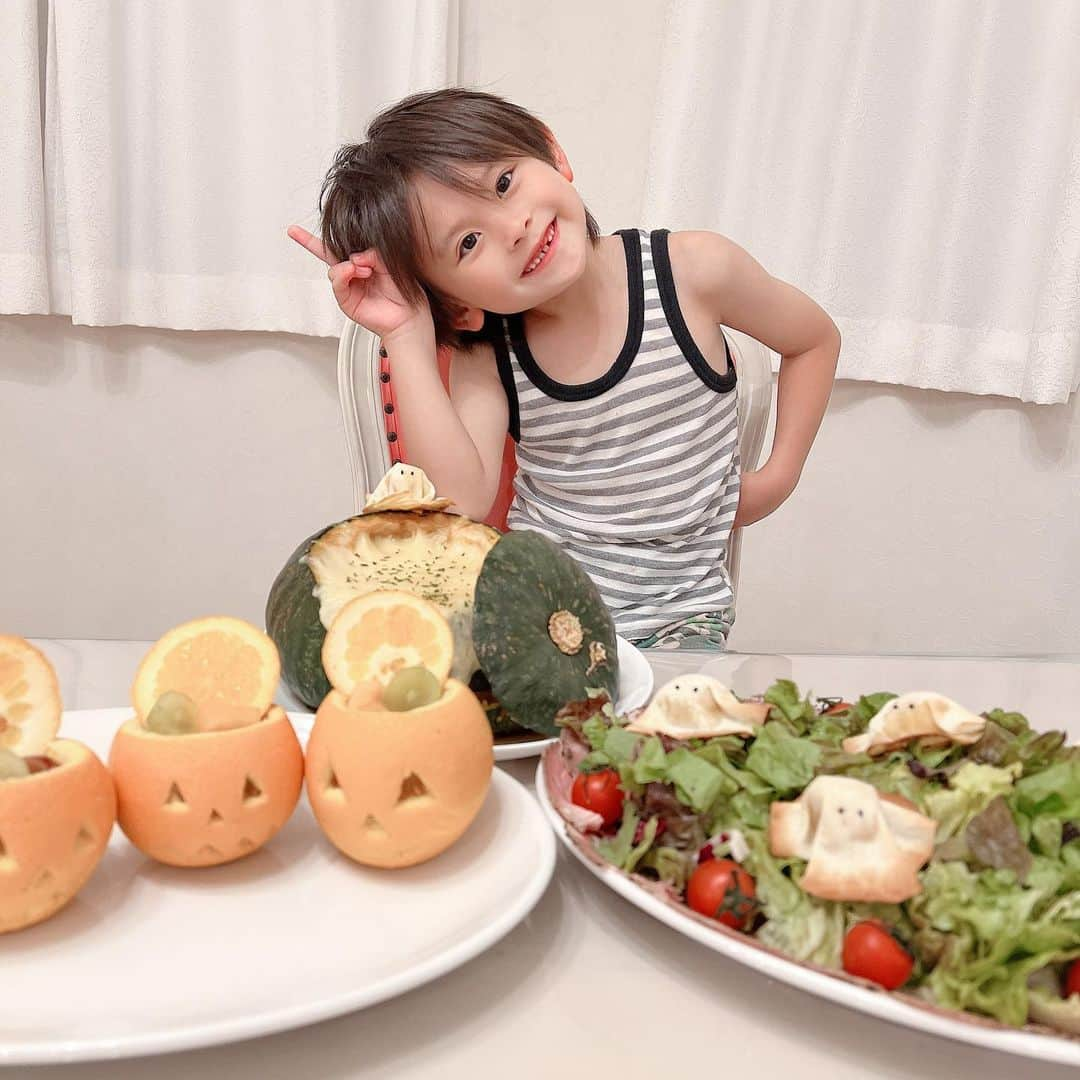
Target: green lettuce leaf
pixel 782 760
pixel 671 864
pixel 971 789
pixel 996 933
pixel 791 708
pixel 746 810
pixel 620 850
pixel 1013 722
pixel 697 783
pixel 1046 832
pixel 1054 791
pixel 798 924
pixel 651 763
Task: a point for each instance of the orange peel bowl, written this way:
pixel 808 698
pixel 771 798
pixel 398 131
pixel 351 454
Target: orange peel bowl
pixel 392 789
pixel 209 797
pixel 54 828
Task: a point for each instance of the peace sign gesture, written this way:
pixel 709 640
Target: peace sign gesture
pixel 364 289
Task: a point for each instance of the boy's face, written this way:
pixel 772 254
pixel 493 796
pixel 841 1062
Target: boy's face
pixel 511 250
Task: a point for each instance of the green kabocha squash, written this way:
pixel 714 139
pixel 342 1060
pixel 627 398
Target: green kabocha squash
pixel 542 632
pixel 402 540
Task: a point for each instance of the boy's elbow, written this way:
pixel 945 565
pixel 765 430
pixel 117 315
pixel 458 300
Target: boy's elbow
pixel 474 510
pixel 834 338
pixel 477 503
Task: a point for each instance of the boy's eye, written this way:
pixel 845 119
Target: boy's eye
pixel 468 242
pixel 502 185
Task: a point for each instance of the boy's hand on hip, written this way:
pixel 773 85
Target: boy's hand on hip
pixel 761 492
pixel 366 292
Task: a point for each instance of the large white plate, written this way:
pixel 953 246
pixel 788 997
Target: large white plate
pixel 150 958
pixel 635 686
pixel 886 1006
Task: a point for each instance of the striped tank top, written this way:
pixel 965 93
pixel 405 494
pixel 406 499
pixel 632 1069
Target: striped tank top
pixel 635 474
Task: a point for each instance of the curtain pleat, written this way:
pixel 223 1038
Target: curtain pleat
pixel 914 167
pixel 179 142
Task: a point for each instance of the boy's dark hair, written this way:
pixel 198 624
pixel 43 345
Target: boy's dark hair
pixel 366 199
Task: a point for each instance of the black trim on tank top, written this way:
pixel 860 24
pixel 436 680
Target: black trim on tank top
pixel 665 282
pixel 497 337
pixel 635 325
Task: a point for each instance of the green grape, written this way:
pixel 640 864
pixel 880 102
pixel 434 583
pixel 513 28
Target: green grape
pixel 411 688
pixel 173 714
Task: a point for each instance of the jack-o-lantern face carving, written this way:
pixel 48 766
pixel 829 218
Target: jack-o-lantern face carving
pixel 54 828
pixel 393 788
pixel 210 797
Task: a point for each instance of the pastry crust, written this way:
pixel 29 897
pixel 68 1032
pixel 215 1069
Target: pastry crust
pixel 858 845
pixel 915 715
pixel 698 707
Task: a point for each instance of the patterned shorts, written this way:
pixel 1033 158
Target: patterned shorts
pixel 702 633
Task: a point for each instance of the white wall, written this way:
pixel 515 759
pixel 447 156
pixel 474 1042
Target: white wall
pixel 149 476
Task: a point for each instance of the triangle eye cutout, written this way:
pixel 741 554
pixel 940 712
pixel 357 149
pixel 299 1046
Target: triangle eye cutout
pixel 252 790
pixel 412 787
pixel 3 850
pixel 175 797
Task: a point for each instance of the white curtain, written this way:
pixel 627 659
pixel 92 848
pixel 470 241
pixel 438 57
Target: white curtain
pixel 915 167
pixel 24 285
pixel 180 139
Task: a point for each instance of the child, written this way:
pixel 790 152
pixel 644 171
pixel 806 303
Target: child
pixel 457 223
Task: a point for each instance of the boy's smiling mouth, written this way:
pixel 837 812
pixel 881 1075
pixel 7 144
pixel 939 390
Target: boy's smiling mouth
pixel 542 252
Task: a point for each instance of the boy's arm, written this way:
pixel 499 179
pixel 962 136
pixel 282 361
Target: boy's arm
pixel 457 440
pixel 739 293
pixel 480 401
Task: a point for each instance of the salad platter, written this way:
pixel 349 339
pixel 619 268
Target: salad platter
pixel 978 943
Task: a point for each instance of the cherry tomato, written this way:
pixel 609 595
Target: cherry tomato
pixel 838 707
pixel 600 793
pixel 721 889
pixel 871 952
pixel 1072 979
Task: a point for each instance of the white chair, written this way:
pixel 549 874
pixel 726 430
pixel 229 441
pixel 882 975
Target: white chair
pixel 364 392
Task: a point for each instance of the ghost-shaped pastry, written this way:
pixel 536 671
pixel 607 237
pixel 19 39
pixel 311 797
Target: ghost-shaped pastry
pixel 404 487
pixel 859 845
pixel 912 716
pixel 698 707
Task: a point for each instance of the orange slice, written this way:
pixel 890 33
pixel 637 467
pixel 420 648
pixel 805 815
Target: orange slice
pixel 30 704
pixel 226 666
pixel 375 635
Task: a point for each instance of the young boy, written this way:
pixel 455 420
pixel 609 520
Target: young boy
pixel 457 223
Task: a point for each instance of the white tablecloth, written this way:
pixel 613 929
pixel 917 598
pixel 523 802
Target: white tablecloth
pixel 588 986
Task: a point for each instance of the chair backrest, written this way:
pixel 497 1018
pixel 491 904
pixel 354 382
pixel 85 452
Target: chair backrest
pixel 373 440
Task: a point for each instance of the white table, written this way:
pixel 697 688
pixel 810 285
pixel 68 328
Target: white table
pixel 588 986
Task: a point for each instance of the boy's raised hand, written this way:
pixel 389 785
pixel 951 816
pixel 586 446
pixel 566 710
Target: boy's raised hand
pixel 365 291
